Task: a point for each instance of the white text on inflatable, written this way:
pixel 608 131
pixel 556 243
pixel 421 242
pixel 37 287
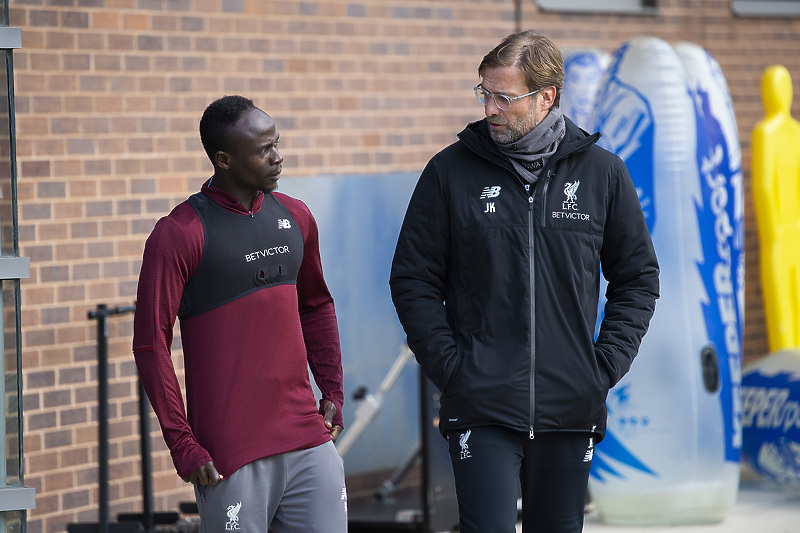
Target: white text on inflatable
pixel 723 276
pixel 769 407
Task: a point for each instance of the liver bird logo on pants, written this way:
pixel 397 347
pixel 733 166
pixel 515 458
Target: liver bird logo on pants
pixel 463 443
pixel 233 517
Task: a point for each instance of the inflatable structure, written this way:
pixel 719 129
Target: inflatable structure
pixel 671 454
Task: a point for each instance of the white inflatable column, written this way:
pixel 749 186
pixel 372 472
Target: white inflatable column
pixel 669 456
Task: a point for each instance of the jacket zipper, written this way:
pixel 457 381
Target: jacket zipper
pixel 533 308
pixel 530 191
pixel 532 271
pixel 544 197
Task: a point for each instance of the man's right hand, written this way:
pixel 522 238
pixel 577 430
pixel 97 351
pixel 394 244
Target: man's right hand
pixel 205 475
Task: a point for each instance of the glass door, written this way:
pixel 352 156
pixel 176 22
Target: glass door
pixel 15 497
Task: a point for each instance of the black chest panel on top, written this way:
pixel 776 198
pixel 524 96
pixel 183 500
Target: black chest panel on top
pixel 241 254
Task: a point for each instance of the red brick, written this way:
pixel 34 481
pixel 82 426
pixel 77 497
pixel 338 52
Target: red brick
pixel 39 337
pixel 38 296
pixel 91 41
pixel 47 62
pixel 30 212
pixel 64 168
pixel 69 252
pixel 31 125
pixel 53 232
pixel 101 291
pixel 75 104
pixel 113 187
pixel 61 126
pixel 95 167
pixel 84 188
pixel 80 230
pixel 34 169
pixel 111 146
pixel 105 19
pixel 58 481
pixel 114 228
pixel 45 503
pixel 140 22
pixel 85 272
pixel 122 42
pixel 60 40
pixel 68 210
pixel 67 335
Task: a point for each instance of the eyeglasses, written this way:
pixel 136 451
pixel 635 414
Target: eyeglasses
pixel 502 101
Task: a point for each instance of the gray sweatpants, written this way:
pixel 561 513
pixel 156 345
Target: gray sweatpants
pixel 296 492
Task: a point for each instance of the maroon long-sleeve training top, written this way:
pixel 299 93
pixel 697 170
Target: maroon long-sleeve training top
pixel 246 359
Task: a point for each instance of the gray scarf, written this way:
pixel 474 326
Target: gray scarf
pixel 529 154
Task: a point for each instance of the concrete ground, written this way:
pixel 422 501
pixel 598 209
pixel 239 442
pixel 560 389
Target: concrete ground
pixel 760 508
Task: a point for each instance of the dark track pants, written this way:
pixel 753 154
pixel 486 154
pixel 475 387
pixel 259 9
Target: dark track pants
pixel 491 462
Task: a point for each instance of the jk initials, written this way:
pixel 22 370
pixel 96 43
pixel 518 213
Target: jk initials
pixel 489 207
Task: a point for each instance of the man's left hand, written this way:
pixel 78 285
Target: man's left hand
pixel 330 412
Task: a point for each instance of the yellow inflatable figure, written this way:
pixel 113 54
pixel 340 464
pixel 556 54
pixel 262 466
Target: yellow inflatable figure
pixel 776 195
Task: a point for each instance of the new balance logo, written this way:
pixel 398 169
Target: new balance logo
pixel 284 223
pixel 490 192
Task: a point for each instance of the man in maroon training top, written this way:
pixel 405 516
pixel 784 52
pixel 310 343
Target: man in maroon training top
pixel 239 265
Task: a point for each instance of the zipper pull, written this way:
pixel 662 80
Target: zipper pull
pixel 251 213
pixel 530 202
pixel 531 433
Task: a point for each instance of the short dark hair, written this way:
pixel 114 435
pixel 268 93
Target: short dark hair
pixel 218 118
pixel 535 55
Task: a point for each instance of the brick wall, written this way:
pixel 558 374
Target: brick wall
pixel 108 96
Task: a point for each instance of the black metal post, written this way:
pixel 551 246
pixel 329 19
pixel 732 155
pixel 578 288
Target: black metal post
pixel 101 314
pixel 440 507
pixel 147 482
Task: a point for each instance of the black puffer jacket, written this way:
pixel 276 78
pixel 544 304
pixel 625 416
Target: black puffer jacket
pixel 497 287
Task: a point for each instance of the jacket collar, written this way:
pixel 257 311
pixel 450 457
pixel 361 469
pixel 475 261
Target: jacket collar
pixel 229 202
pixel 476 137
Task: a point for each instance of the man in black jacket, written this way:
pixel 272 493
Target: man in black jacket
pixel 496 278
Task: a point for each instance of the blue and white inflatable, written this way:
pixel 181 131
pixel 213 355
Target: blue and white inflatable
pixel 771 417
pixel 584 69
pixel 722 172
pixel 671 455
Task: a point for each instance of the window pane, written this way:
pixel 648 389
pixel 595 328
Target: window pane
pixel 6 197
pixel 10 467
pixel 10 398
pixel 593 6
pixel 770 8
pixel 12 520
